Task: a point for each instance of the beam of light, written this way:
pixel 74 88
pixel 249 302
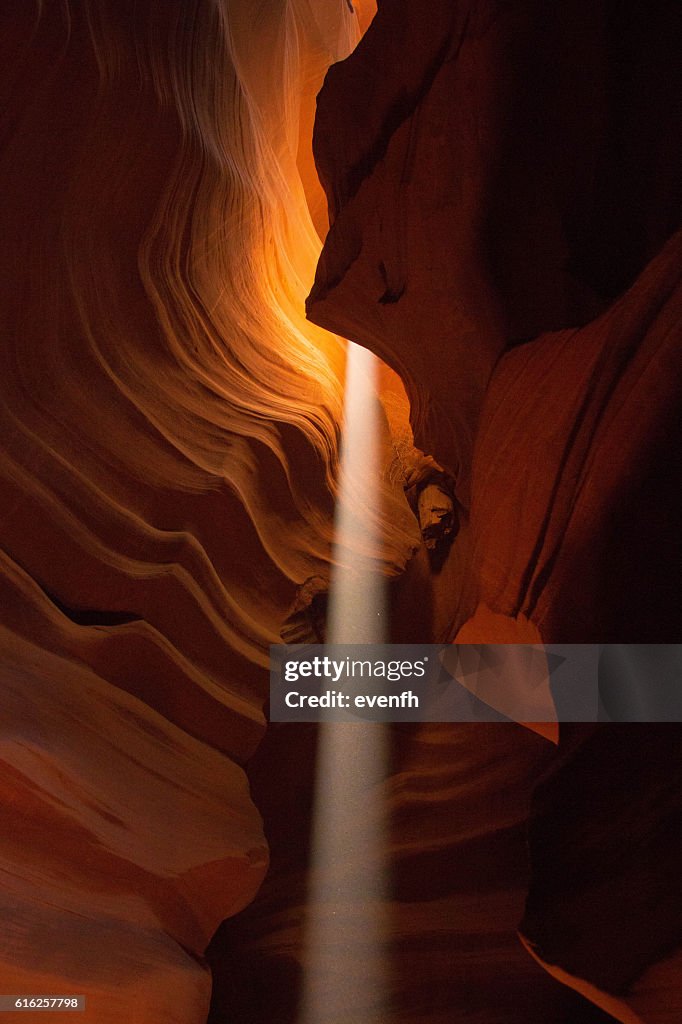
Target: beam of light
pixel 357 596
pixel 345 977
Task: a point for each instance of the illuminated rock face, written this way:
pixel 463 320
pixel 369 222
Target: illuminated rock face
pixel 169 428
pixel 125 839
pixel 170 425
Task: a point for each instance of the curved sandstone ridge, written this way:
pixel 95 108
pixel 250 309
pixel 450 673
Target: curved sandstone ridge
pixel 125 843
pixel 170 427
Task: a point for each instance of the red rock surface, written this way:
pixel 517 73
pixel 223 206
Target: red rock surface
pixel 501 180
pixel 604 902
pixel 493 171
pixel 169 428
pixel 501 183
pixel 575 520
pixel 457 803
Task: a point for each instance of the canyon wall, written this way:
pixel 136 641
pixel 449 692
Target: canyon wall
pixel 170 427
pixel 505 233
pixel 501 181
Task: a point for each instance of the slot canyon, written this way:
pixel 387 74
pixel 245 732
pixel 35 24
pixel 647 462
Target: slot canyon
pixel 210 208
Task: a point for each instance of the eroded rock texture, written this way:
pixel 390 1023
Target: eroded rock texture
pixel 575 521
pixel 604 903
pixel 169 432
pixel 456 801
pixel 502 182
pixel 493 171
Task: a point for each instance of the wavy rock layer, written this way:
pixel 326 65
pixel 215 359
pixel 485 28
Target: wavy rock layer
pixel 125 843
pixel 170 425
pixel 170 428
